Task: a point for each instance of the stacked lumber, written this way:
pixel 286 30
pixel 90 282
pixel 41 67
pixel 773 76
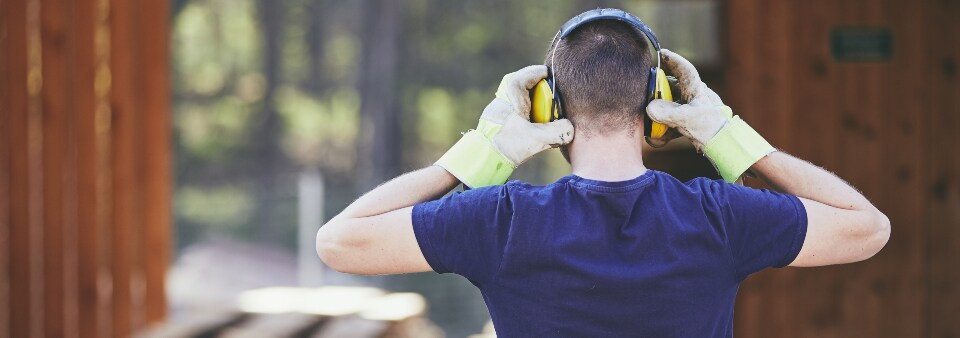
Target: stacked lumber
pixel 332 311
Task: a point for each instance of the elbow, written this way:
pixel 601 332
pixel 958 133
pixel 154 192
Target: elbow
pixel 330 247
pixel 879 235
pixel 883 233
pixel 325 244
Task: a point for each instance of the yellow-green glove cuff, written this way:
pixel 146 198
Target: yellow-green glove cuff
pixel 475 161
pixel 735 148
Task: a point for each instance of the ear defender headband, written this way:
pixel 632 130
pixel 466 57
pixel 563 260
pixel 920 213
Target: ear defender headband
pixel 547 102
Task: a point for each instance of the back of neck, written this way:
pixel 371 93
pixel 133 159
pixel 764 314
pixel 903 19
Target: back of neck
pixel 614 156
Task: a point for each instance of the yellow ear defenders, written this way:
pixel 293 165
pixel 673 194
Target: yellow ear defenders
pixel 547 104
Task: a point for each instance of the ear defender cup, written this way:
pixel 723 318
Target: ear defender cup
pixel 542 105
pixel 662 91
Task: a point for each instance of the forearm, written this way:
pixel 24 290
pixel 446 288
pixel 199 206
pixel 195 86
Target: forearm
pixel 406 190
pixel 794 176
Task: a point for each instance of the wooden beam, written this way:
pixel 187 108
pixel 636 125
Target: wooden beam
pixel 55 93
pixel 157 176
pixel 71 213
pixel 126 140
pixel 15 46
pixel 34 176
pixel 6 91
pixel 93 275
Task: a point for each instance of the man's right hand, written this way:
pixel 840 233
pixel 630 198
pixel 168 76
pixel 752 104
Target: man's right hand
pixel 516 137
pixel 505 137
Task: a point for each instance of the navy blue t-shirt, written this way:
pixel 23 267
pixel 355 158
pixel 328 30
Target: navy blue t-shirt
pixel 648 257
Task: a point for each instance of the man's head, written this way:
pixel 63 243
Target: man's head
pixel 601 71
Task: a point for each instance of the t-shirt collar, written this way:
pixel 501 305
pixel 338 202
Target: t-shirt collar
pixel 606 186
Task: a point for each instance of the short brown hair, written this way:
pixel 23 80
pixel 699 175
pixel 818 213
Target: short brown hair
pixel 601 71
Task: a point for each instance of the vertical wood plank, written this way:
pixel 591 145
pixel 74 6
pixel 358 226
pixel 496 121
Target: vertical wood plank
pixel 90 273
pixel 34 177
pixel 776 84
pixel 5 163
pixel 54 58
pixel 103 138
pixel 156 151
pixel 71 213
pixel 943 187
pixel 742 21
pixel 17 102
pixel 137 275
pixel 125 140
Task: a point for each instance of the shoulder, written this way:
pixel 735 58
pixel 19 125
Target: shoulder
pixel 724 194
pixel 518 191
pixel 716 192
pixel 700 186
pixel 716 187
pixel 489 197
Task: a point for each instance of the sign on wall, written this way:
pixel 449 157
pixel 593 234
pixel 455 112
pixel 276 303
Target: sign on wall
pixel 861 44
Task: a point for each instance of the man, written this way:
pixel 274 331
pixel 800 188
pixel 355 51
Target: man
pixel 613 249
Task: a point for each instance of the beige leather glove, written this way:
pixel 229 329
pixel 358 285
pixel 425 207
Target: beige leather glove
pixel 703 114
pixel 505 137
pixel 730 144
pixel 519 139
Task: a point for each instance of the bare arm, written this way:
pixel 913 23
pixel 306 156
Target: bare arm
pixel 842 225
pixel 374 234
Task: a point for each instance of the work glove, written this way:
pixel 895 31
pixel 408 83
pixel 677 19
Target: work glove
pixel 730 144
pixel 505 137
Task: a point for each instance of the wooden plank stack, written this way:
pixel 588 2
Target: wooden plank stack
pixel 309 312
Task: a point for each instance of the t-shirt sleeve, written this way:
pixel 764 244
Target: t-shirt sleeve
pixel 764 228
pixel 465 233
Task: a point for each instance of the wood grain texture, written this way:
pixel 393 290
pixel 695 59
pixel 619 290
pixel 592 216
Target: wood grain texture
pixel 5 163
pixel 943 187
pixel 158 166
pixel 125 183
pixel 15 29
pixel 71 213
pixel 884 126
pixel 72 171
pixel 35 178
pixel 88 238
pixel 54 94
pixel 80 161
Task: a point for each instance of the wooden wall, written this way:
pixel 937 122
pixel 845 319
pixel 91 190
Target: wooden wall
pixel 84 166
pixel 890 128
